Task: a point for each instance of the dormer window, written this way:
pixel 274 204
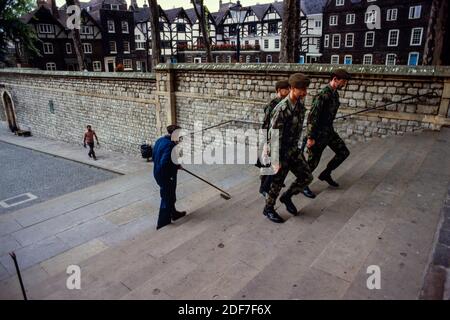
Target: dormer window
pixel 114 7
pixel 339 2
pixel 45 28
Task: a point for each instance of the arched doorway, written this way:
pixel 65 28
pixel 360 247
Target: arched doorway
pixel 10 112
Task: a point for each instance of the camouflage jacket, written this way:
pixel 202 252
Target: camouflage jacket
pixel 323 112
pixel 268 111
pixel 288 120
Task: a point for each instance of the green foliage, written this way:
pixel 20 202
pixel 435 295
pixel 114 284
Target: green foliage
pixel 13 29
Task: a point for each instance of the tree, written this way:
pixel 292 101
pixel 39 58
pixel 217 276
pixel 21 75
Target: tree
pixel 290 33
pixel 13 30
pixel 203 19
pixel 76 39
pixel 156 37
pixel 435 44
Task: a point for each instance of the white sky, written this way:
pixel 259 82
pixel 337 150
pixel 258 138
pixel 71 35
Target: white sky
pixel 213 5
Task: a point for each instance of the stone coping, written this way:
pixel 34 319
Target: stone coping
pixel 377 70
pixel 425 71
pixel 88 74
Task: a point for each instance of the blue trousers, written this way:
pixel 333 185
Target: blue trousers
pixel 168 198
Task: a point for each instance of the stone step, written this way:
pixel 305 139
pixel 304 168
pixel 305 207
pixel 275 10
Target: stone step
pixel 336 267
pixel 326 219
pixel 405 244
pixel 138 249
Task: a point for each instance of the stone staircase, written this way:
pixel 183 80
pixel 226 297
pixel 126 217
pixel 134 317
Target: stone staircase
pixel 385 213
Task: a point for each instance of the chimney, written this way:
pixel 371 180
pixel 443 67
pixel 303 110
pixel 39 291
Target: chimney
pixel 53 8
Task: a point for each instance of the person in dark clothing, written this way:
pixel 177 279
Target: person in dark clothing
pixel 89 140
pixel 282 90
pixel 165 173
pixel 321 133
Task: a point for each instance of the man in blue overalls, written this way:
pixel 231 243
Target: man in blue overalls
pixel 165 173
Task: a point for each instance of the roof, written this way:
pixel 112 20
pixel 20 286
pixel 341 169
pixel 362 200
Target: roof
pixel 172 14
pixel 142 14
pixel 313 6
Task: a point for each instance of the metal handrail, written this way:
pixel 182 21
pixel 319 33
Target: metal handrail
pixel 433 93
pixel 344 117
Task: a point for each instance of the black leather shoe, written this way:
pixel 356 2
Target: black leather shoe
pixel 325 176
pixel 308 193
pixel 290 206
pixel 272 215
pixel 177 215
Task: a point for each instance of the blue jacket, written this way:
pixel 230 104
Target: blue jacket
pixel 163 168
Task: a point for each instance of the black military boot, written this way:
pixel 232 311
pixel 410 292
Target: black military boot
pixel 177 215
pixel 308 193
pixel 326 176
pixel 272 215
pixel 286 198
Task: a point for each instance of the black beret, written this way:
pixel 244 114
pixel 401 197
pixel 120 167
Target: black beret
pixel 341 74
pixel 299 80
pixel 282 84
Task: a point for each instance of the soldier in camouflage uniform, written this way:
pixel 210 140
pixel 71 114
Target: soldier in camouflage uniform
pixel 320 131
pixel 282 90
pixel 287 119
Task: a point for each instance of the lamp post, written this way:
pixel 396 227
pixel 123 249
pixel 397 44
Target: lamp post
pixel 236 14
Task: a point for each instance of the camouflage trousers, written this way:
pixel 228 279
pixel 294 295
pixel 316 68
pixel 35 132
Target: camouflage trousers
pixel 297 164
pixel 335 143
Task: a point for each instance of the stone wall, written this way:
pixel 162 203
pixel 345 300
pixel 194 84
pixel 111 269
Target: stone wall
pixel 127 108
pixel 122 108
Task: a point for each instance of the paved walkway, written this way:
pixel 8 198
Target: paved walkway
pixel 113 161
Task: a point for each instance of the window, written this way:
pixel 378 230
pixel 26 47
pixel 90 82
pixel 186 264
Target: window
pixel 86 30
pixel 318 44
pixel 350 18
pixel 51 66
pixel 339 2
pixel 393 38
pixel 348 59
pixel 368 59
pixel 137 37
pixel 140 45
pixel 127 64
pixel 349 38
pixel 257 60
pixel 197 60
pixel 391 59
pixel 391 15
pixel 336 40
pixel 228 59
pixel 326 41
pixel 371 17
pixel 414 12
pixel 301 60
pixel 181 27
pixel 273 28
pixel 111 27
pixel 68 48
pixel 277 43
pixel 125 27
pixel 87 48
pixel 45 28
pixel 269 59
pixel 266 44
pixel 112 47
pixel 333 20
pixel 252 29
pixel 139 65
pixel 256 42
pixel 126 47
pixel 48 48
pixel 114 7
pixel 318 24
pixel 248 59
pixel 217 59
pixel 335 59
pixel 413 59
pixel 246 43
pixel 370 39
pixel 97 65
pixel 416 36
